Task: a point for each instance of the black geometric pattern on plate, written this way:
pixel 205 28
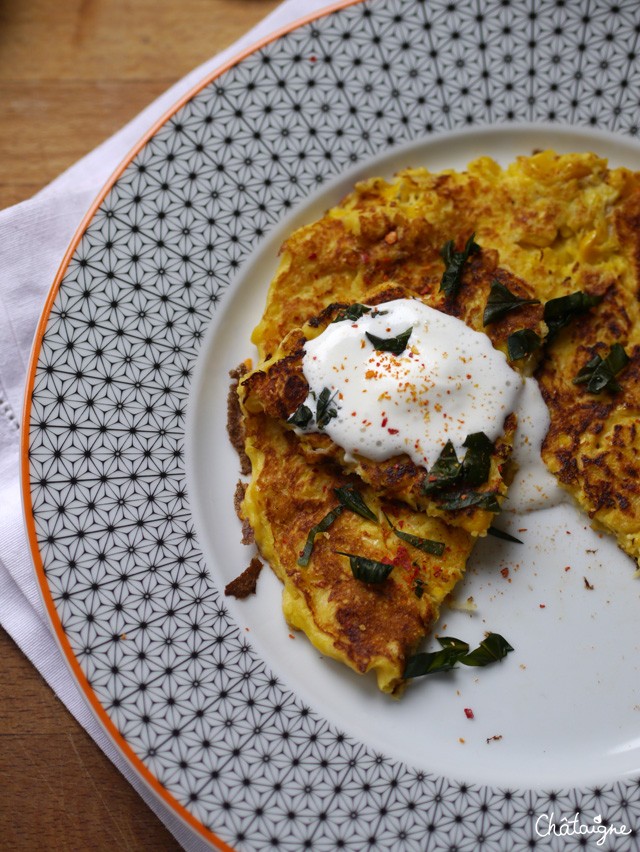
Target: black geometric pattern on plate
pixel 136 602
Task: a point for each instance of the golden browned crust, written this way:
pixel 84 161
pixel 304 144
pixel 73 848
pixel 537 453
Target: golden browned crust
pixel 469 302
pixel 238 497
pixel 279 384
pixel 367 626
pixel 593 440
pixel 246 583
pixel 593 443
pixel 235 419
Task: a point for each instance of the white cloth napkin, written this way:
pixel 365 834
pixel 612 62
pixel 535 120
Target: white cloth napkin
pixel 33 238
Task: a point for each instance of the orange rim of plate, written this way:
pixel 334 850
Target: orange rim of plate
pixel 64 644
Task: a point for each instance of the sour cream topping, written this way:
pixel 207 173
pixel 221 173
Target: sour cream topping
pixel 448 383
pixel 533 486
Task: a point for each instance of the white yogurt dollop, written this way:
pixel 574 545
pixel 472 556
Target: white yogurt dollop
pixel 448 383
pixel 533 486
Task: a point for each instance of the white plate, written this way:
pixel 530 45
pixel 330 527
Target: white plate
pixel 248 735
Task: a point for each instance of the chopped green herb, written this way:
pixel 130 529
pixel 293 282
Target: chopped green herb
pixel 357 311
pixel 325 410
pixel 353 500
pixel 367 570
pixel 474 470
pixel 559 312
pixel 431 663
pixel 445 470
pixel 496 533
pixel 418 588
pixel 320 527
pixel 301 417
pixel 396 345
pixel 502 301
pixel 455 644
pixel 476 464
pixel 427 545
pixel 599 373
pixel 491 650
pixel 522 343
pixel 464 499
pixel 454 264
pixel 353 312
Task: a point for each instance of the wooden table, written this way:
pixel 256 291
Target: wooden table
pixel 71 74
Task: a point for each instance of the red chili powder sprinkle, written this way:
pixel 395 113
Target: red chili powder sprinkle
pixel 393 431
pixel 504 572
pixel 543 606
pixel 468 712
pixel 402 559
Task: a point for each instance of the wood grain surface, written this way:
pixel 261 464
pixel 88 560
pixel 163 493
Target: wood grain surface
pixel 72 72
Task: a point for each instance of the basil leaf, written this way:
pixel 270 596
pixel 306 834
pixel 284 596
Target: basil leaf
pixel 501 301
pixel 396 345
pixel 367 570
pixel 559 312
pixel 455 644
pixel 496 533
pixel 431 663
pixel 454 263
pixel 352 500
pixel 491 650
pixel 353 312
pixel 301 417
pixel 357 311
pixel 321 526
pixel 325 411
pixel 586 372
pixel 473 470
pixel 476 464
pixel 599 373
pixel 427 545
pixel 465 499
pixel 522 343
pixel 445 470
pixel 617 359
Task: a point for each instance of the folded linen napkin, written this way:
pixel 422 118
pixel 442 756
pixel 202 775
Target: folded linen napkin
pixel 33 239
